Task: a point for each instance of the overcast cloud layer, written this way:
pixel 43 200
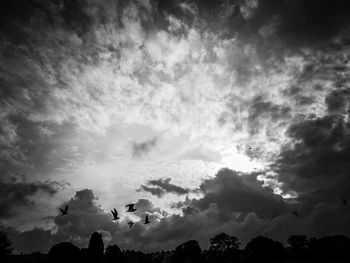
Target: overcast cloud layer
pixel 211 115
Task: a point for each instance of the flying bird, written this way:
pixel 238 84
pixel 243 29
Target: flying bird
pixel 130 223
pixel 344 201
pixel 131 208
pixel 147 220
pixel 64 211
pixel 295 213
pixel 115 214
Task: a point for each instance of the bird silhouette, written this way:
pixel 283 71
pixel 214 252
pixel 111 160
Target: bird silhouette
pixel 147 220
pixel 130 208
pixel 115 214
pixel 130 223
pixel 295 213
pixel 344 201
pixel 64 211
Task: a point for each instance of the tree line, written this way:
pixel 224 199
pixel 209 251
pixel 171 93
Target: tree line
pixel 223 248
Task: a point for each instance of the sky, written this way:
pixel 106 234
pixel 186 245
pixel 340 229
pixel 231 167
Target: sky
pixel 211 116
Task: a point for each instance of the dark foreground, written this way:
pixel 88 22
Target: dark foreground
pixel 223 248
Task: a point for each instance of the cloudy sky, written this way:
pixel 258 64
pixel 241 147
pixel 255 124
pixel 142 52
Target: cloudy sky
pixel 212 116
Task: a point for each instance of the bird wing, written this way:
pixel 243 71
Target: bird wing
pixel 112 212
pixel 115 212
pixel 63 211
pixel 130 206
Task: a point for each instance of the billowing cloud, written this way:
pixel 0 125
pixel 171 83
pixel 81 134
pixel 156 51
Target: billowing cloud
pixel 316 166
pixel 85 215
pixel 238 194
pixel 234 203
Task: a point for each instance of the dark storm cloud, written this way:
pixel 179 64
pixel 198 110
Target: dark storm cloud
pixel 243 207
pixel 235 192
pixel 299 23
pixel 15 195
pixel 86 216
pixel 201 219
pixel 317 166
pixel 163 186
pixel 337 101
pixel 294 23
pixel 70 14
pixel 312 21
pixel 139 149
pixel 274 27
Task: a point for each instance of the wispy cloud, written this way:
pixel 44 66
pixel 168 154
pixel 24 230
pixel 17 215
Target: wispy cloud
pixel 163 186
pixel 139 149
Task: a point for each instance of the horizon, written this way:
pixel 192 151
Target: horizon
pixel 209 116
pixel 214 241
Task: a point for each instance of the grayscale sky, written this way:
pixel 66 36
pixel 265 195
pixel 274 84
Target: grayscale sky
pixel 212 116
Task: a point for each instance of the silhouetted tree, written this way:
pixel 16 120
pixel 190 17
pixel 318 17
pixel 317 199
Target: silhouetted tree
pixel 160 257
pixel 333 248
pixel 223 248
pixel 298 242
pixel 85 255
pixel 189 251
pixel 136 256
pixel 5 245
pixel 64 252
pixel 263 249
pixel 114 254
pixel 298 246
pixel 96 247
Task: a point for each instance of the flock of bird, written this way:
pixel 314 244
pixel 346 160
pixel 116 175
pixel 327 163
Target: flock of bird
pixel 131 208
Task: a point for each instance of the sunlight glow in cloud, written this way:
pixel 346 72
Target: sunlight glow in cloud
pixel 188 89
